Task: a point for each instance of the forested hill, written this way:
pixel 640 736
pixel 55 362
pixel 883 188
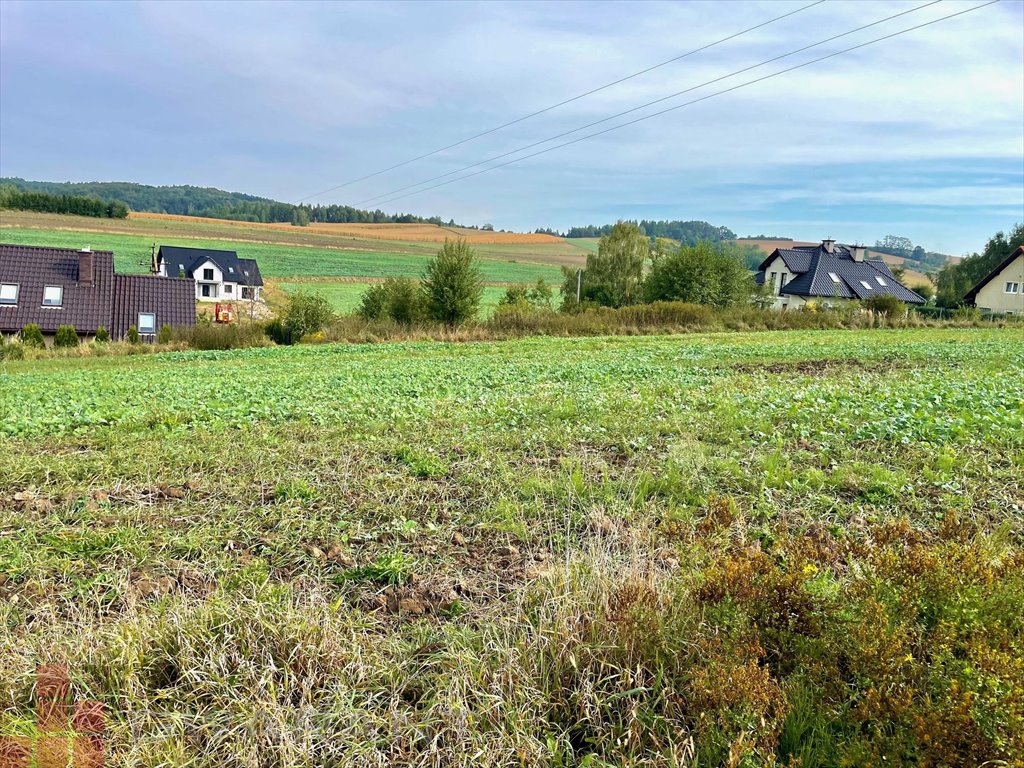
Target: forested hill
pixel 214 203
pixel 686 232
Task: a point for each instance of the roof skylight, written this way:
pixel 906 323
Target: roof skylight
pixel 866 284
pixel 881 282
pixel 834 276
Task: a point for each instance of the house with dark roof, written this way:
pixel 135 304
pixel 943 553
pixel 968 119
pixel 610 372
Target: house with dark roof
pixel 61 286
pixel 218 275
pixel 1002 290
pixel 828 271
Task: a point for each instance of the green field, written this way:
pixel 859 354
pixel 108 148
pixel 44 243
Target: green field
pixel 345 297
pixel 782 548
pixel 132 254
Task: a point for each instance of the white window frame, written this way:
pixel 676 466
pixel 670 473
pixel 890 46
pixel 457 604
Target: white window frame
pixel 228 288
pixel 881 282
pixel 60 296
pixel 866 284
pixel 1011 287
pixel 5 288
pixel 139 327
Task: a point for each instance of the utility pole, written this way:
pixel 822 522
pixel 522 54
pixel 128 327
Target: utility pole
pixel 579 284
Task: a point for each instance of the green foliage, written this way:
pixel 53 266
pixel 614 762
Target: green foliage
pixel 885 304
pixel 523 298
pixel 614 275
pixel 11 349
pixel 165 336
pixel 65 337
pixel 306 313
pixel 453 284
pixel 47 203
pixel 955 280
pixel 398 298
pixel 133 335
pixel 31 336
pixel 684 232
pixel 102 335
pixel 113 199
pixel 705 273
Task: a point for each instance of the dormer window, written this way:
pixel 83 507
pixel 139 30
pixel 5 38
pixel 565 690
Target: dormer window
pixel 208 273
pixel 53 295
pixel 866 284
pixel 9 293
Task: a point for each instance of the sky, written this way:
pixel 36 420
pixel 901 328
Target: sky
pixel 921 135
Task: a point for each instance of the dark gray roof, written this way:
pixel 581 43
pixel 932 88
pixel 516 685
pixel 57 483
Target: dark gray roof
pixel 814 267
pixel 181 259
pixel 972 294
pixel 112 301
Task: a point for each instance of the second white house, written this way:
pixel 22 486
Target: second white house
pixel 219 275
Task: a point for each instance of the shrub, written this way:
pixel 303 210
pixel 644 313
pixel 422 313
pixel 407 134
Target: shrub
pixel 885 305
pixel 11 350
pixel 102 335
pixel 165 336
pixel 276 332
pixel 397 298
pixel 705 273
pixel 65 337
pixel 307 313
pixel 31 336
pixel 221 336
pixel 133 335
pixel 453 284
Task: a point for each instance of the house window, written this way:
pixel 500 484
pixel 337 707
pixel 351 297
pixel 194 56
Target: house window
pixel 881 282
pixel 782 280
pixel 207 290
pixel 834 276
pixel 866 284
pixel 1012 287
pixel 53 295
pixel 773 280
pixel 208 274
pixel 147 322
pixel 228 288
pixel 245 292
pixel 9 293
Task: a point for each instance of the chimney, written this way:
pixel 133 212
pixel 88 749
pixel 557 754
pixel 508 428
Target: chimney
pixel 827 245
pixel 85 266
pixel 858 252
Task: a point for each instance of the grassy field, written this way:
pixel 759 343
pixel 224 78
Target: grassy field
pixel 793 548
pixel 345 297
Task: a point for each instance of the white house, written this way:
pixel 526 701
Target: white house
pixel 828 271
pixel 218 275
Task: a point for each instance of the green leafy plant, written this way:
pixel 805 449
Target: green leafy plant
pixel 65 337
pixel 31 336
pixel 132 337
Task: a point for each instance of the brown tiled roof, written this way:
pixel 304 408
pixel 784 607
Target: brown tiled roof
pixel 87 307
pixel 111 301
pixel 171 299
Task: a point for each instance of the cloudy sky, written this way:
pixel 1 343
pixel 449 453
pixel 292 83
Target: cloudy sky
pixel 921 135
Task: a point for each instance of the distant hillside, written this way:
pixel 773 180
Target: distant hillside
pixel 686 232
pixel 214 203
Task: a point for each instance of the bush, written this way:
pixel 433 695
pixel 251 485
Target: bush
pixel 31 336
pixel 885 305
pixel 102 335
pixel 398 298
pixel 11 350
pixel 276 332
pixel 705 273
pixel 65 337
pixel 453 284
pixel 221 336
pixel 307 313
pixel 165 336
pixel 133 335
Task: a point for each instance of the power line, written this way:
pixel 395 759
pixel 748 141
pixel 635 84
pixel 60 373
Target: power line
pixel 643 106
pixel 563 103
pixel 695 101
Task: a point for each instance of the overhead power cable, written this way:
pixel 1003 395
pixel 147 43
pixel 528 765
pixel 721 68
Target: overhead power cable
pixel 642 106
pixel 591 92
pixel 695 101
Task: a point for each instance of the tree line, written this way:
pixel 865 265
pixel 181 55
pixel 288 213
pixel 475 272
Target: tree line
pixel 10 197
pixel 685 232
pixel 186 200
